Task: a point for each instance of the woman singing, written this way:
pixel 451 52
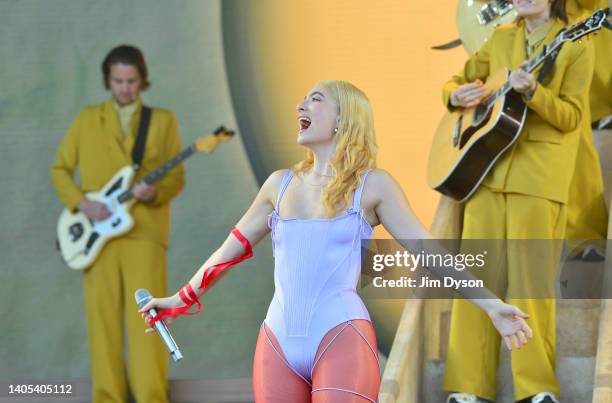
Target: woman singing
pixel 317 343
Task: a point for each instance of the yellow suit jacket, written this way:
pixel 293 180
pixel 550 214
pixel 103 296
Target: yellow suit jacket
pixel 94 143
pixel 541 163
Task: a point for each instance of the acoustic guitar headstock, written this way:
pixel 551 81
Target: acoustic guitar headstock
pixel 599 19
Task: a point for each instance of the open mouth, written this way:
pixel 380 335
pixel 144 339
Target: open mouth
pixel 304 123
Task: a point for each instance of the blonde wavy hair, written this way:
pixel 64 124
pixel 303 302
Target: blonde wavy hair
pixel 355 146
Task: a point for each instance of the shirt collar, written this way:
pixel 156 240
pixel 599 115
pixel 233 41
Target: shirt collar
pixel 536 37
pixel 128 109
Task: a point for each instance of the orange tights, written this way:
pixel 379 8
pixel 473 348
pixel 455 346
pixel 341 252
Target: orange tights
pixel 346 369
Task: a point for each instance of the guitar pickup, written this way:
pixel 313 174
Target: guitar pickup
pixel 75 231
pixel 92 239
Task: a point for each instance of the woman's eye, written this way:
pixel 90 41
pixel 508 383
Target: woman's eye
pixel 316 99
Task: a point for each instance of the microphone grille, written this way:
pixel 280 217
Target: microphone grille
pixel 142 296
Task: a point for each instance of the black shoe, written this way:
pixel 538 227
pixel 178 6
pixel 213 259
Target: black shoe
pixel 543 397
pixel 593 254
pixel 465 398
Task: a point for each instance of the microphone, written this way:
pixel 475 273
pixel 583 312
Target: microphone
pixel 143 296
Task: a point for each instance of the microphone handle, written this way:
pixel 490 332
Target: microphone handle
pixel 164 333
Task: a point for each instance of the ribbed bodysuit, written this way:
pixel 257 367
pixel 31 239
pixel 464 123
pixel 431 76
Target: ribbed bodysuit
pixel 317 265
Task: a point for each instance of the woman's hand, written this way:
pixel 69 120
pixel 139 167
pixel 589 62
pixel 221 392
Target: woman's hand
pixel 159 304
pixel 510 323
pixel 522 81
pixel 467 95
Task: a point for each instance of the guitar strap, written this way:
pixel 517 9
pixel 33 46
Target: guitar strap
pixel 141 139
pixel 548 63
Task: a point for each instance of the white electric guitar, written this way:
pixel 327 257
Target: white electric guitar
pixel 80 239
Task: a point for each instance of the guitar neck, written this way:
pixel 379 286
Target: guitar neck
pixel 170 164
pixel 596 21
pixel 546 52
pixel 531 66
pixel 161 171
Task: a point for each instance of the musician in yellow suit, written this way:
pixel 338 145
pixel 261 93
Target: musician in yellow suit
pixel 99 142
pixel 524 196
pixel 587 213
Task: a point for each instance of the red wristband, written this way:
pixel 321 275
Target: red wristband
pixel 189 296
pixel 182 310
pixel 214 271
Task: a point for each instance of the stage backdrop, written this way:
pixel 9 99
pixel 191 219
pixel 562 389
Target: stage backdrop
pixel 244 64
pixel 277 50
pixel 50 55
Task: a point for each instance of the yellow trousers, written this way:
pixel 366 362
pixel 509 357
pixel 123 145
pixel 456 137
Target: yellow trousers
pixel 124 266
pixel 587 214
pixel 473 348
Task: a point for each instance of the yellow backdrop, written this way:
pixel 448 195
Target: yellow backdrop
pixel 383 47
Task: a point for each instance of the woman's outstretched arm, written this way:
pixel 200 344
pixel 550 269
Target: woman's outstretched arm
pixel 395 214
pixel 252 228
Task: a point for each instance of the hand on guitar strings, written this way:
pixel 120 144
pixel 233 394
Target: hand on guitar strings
pixel 522 81
pixel 144 192
pixel 468 95
pixel 94 210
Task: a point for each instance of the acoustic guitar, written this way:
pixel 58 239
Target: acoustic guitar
pixel 468 141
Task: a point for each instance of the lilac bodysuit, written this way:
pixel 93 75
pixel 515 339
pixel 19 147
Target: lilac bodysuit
pixel 317 264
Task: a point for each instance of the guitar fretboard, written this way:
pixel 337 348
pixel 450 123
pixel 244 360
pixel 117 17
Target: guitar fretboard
pixel 531 66
pixel 591 24
pixel 161 171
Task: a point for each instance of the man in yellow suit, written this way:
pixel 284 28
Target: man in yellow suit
pixel 524 197
pixel 99 142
